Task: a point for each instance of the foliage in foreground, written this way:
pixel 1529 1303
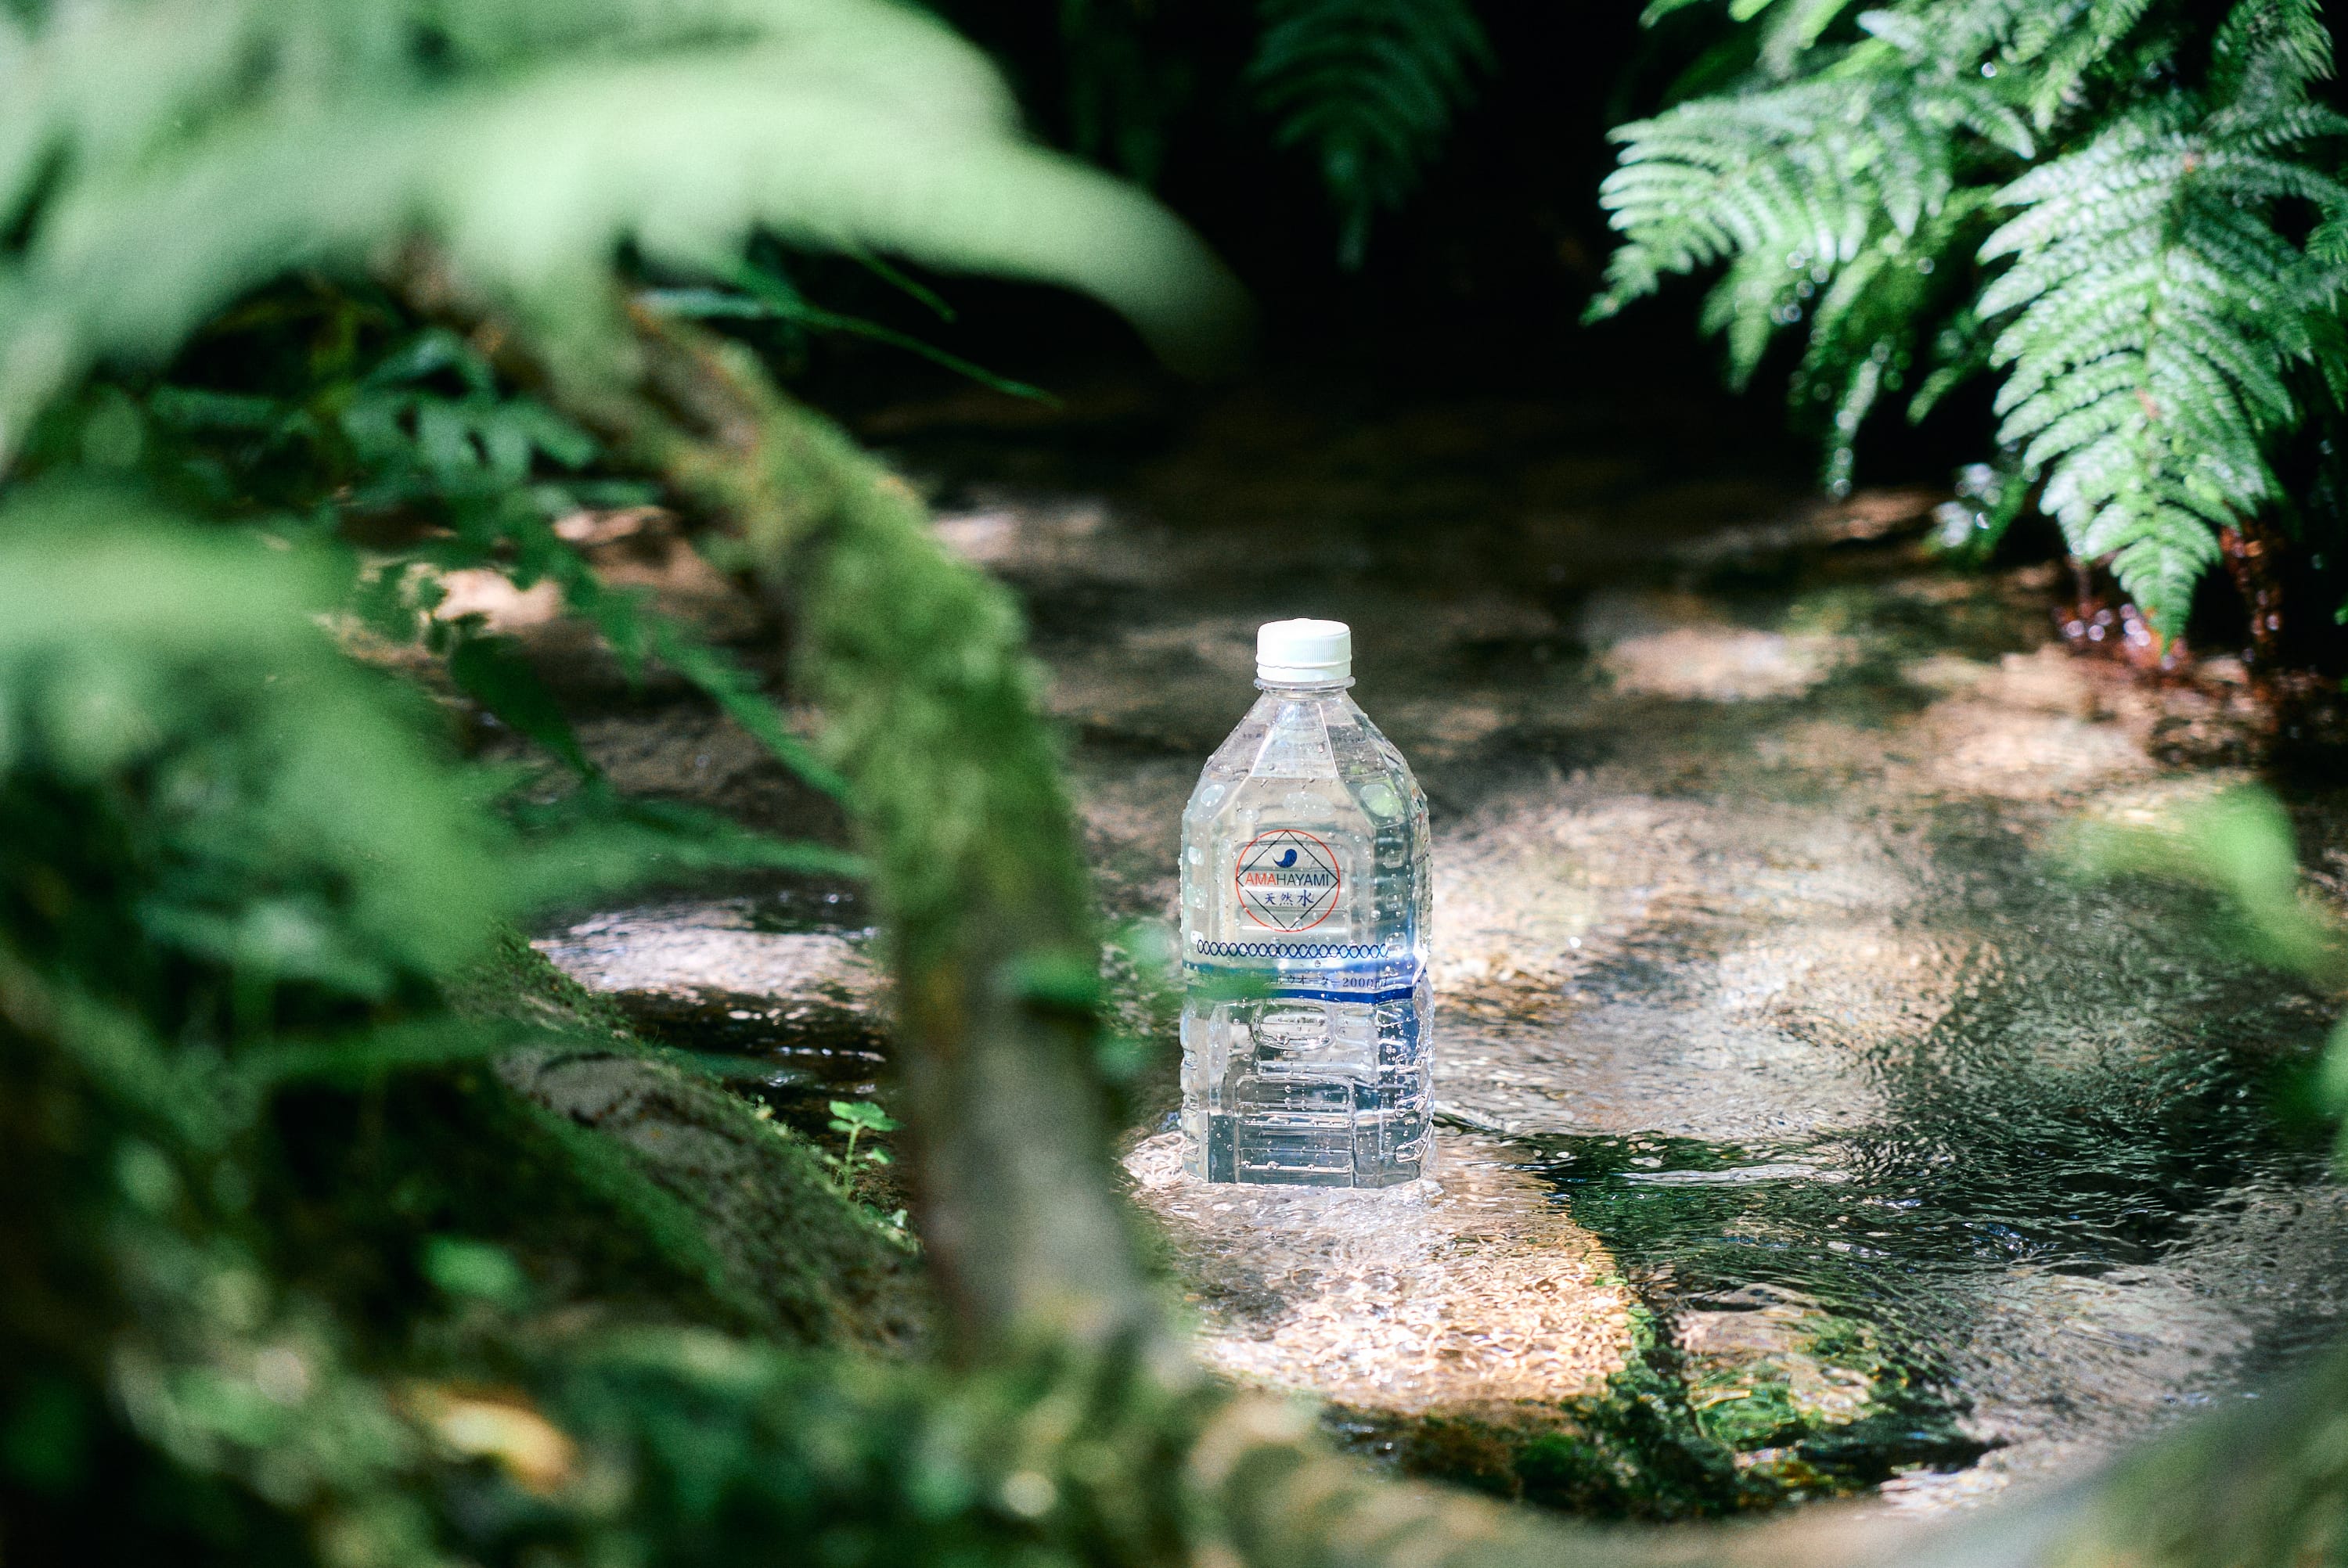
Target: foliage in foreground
pixel 530 142
pixel 2132 221
pixel 2241 846
pixel 283 1245
pixel 543 162
pixel 338 1230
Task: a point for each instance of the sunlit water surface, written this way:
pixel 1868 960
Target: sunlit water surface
pixel 1787 1078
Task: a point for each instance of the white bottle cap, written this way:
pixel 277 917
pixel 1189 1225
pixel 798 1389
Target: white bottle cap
pixel 1304 653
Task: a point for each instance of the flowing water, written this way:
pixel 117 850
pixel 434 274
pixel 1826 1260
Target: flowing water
pixel 1806 1125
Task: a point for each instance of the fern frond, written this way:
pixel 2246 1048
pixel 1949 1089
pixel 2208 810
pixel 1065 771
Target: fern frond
pixel 1793 26
pixel 2158 314
pixel 2154 320
pixel 1863 327
pixel 2050 44
pixel 2071 51
pixel 533 143
pixel 1368 88
pixel 1805 172
pixel 1846 190
pixel 1748 176
pixel 2266 55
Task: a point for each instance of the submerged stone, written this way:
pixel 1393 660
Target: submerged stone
pixel 795 1017
pixel 1451 1294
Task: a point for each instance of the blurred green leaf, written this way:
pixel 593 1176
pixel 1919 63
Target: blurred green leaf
pixel 491 671
pixel 2238 844
pixel 529 144
pixel 852 1114
pixel 1055 980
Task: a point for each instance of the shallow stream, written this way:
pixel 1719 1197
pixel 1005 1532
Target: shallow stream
pixel 1809 1128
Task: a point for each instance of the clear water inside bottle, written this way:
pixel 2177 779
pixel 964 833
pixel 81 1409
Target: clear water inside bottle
pixel 1305 1041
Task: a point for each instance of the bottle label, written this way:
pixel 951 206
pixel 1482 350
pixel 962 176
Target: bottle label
pixel 1288 880
pixel 1312 971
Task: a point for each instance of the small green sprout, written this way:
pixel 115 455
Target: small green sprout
pixel 855 1118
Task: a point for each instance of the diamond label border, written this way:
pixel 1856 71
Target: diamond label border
pixel 1325 857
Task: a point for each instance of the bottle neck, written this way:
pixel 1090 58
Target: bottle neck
pixel 1303 688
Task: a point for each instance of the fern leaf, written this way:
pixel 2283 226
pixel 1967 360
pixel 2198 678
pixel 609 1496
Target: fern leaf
pixel 1809 171
pixel 2153 320
pixel 2268 52
pixel 2158 313
pixel 545 137
pixel 2066 43
pixel 1793 26
pixel 1368 88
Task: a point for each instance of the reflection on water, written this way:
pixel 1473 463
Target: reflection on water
pixel 2059 1210
pixel 2007 1142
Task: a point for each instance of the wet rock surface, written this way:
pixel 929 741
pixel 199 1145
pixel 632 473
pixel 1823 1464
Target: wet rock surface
pixel 1462 1293
pixel 769 991
pixel 1809 1128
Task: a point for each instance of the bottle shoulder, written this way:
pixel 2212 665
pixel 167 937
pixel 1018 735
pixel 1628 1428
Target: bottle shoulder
pixel 1313 754
pixel 1389 755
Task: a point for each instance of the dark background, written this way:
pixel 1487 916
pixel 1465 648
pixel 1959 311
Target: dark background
pixel 1474 288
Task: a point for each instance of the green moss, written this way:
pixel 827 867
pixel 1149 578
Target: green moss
pixel 1674 1438
pixel 734 1202
pixel 514 982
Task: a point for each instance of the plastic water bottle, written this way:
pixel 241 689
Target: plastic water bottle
pixel 1306 1043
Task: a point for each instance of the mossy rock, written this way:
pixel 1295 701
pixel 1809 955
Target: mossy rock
pixel 741 1203
pixel 1676 1437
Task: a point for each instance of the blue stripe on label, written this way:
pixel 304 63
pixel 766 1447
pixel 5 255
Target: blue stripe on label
pixel 1306 967
pixel 1399 994
pixel 1317 952
pixel 1356 982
